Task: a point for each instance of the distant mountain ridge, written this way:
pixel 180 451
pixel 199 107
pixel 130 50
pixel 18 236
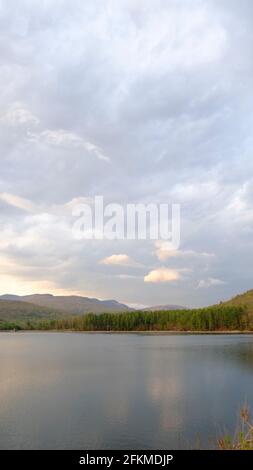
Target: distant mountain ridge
pixel 29 310
pixel 157 308
pixel 72 304
pixel 15 310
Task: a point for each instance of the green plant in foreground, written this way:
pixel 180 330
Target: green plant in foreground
pixel 243 439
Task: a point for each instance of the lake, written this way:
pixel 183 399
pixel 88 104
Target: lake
pixel 121 391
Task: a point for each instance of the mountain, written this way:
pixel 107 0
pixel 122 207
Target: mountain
pixel 157 308
pixel 9 297
pixel 244 300
pixel 13 310
pixel 73 304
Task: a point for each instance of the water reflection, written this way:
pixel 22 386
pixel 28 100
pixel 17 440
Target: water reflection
pixel 120 391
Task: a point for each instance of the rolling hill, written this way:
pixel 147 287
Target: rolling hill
pixel 73 305
pixel 17 311
pixel 244 300
pixel 12 311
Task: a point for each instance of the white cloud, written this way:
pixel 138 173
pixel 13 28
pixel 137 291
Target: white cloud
pixel 66 139
pixel 164 252
pixel 210 282
pixel 119 260
pixel 18 202
pixel 162 275
pixel 19 115
pixel 186 192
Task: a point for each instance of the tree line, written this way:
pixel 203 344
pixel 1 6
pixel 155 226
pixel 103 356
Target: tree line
pixel 205 319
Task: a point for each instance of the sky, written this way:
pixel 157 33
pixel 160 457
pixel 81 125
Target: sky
pixel 147 101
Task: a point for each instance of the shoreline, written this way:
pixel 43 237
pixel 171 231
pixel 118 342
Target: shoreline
pixel 144 332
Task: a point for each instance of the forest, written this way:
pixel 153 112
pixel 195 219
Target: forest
pixel 216 318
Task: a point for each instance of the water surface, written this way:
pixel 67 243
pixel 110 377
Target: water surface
pixel 88 391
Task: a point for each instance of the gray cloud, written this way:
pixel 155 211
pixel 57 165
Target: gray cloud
pixel 138 101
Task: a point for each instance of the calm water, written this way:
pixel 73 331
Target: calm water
pixel 70 390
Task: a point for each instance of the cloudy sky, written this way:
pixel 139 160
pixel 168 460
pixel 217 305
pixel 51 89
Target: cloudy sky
pixel 138 101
